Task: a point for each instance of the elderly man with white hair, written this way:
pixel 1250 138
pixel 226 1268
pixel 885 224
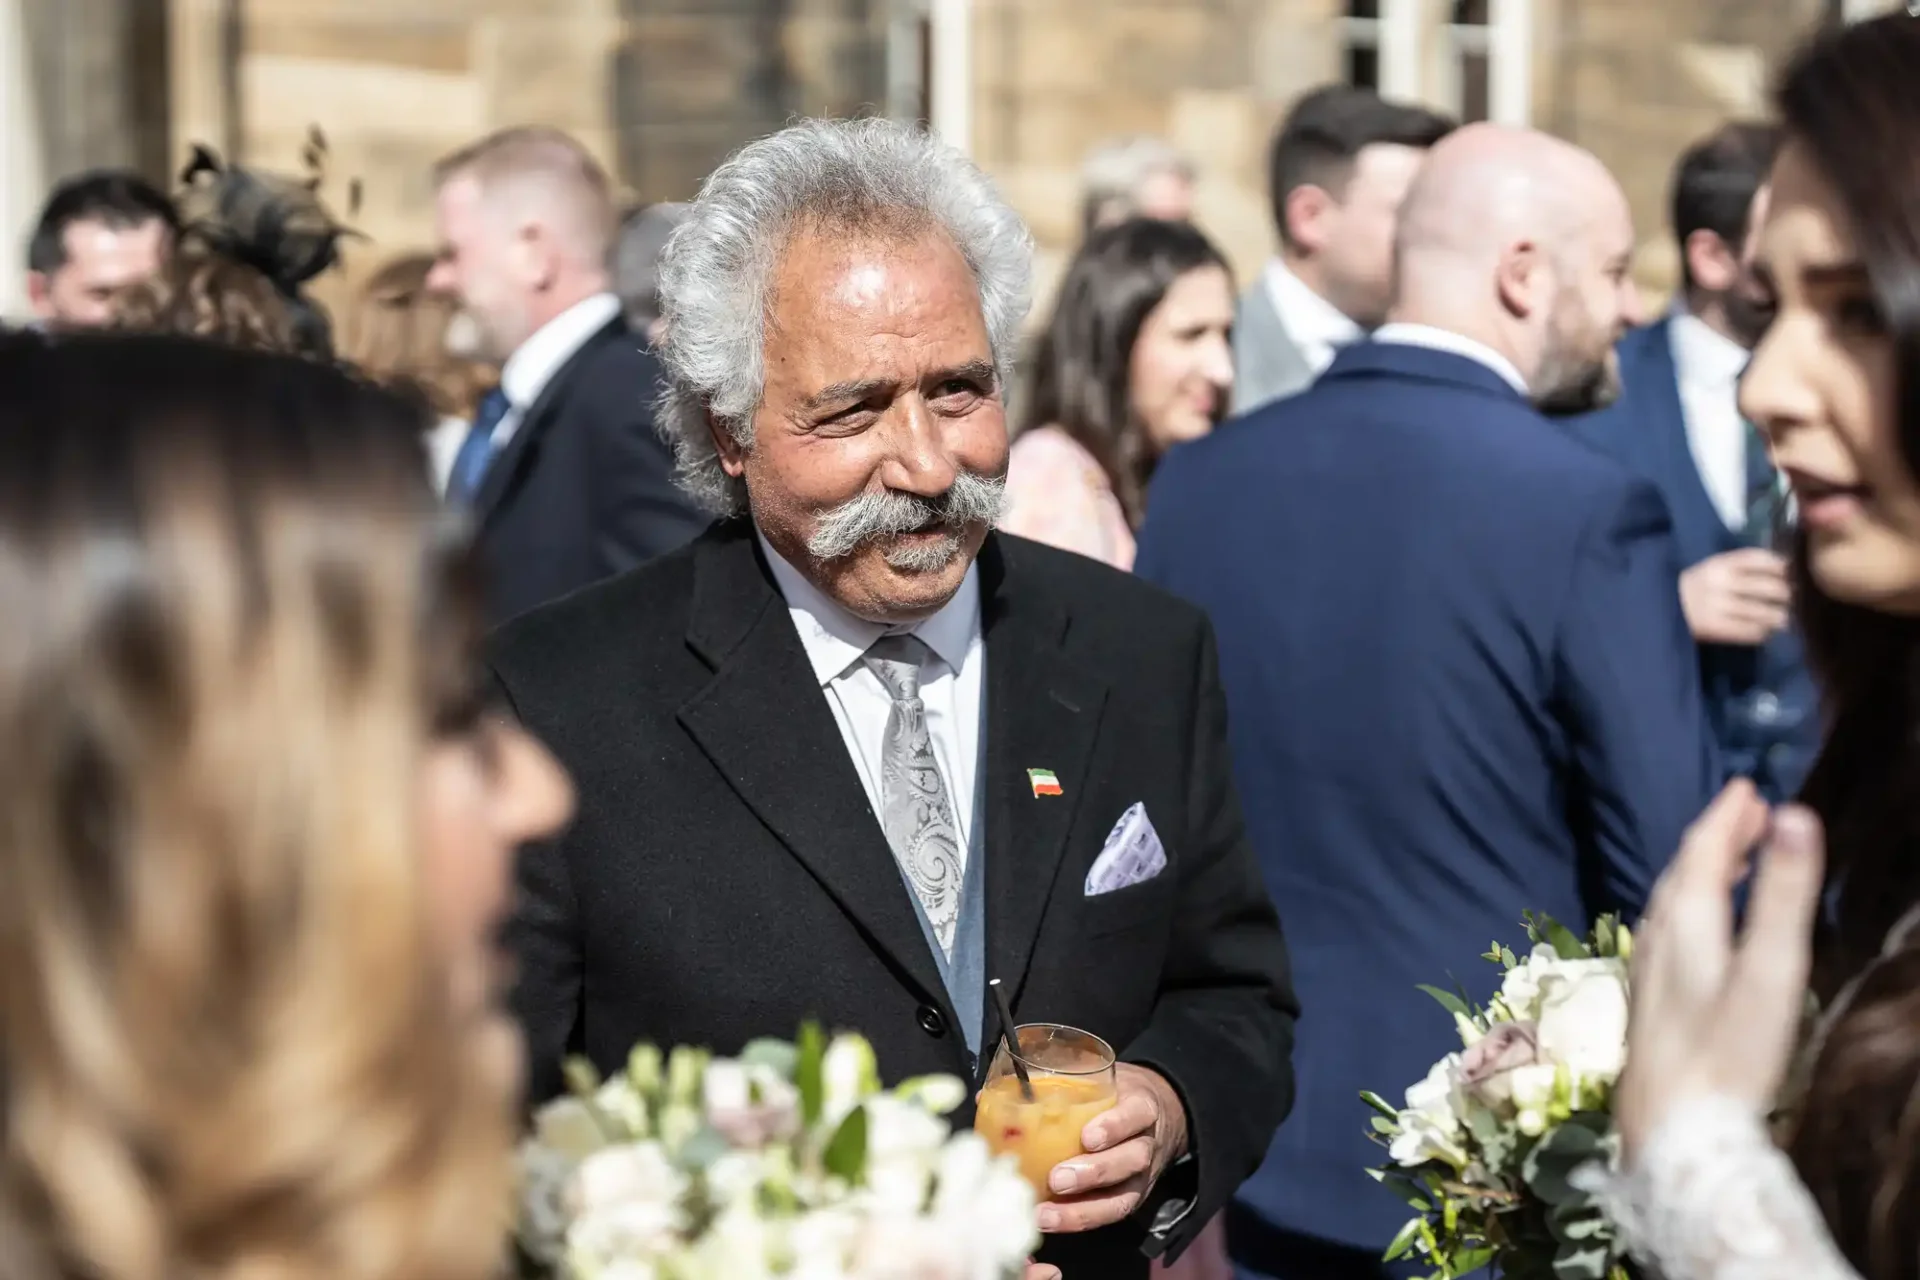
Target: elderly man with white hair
pixel 852 755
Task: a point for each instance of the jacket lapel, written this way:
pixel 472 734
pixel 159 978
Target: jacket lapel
pixel 505 470
pixel 765 724
pixel 1042 712
pixel 1699 531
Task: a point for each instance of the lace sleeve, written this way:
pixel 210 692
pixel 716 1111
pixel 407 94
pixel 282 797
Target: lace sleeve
pixel 1713 1199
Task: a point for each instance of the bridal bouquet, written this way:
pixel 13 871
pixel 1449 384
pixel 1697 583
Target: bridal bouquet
pixel 788 1161
pixel 1486 1146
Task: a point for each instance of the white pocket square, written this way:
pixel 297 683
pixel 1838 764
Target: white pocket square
pixel 1132 854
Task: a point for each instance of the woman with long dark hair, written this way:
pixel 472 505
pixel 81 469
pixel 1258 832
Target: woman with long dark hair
pixel 1136 358
pixel 1835 384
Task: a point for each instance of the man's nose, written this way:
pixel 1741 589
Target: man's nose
pixel 921 461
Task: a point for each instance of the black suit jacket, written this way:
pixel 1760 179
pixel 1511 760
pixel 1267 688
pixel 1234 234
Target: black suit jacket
pixel 726 877
pixel 584 489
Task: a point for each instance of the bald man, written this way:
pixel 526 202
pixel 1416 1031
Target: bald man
pixel 1459 683
pixel 567 480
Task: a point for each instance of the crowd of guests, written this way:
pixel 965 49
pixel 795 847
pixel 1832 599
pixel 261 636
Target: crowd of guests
pixel 1488 586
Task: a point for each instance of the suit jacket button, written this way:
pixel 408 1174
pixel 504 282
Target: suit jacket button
pixel 931 1020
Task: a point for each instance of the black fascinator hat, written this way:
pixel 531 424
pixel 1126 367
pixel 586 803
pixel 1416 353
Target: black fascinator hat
pixel 275 223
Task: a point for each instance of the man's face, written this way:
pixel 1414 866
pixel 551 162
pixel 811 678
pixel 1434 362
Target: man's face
pixel 1357 254
pixel 101 260
pixel 1594 304
pixel 480 266
pixel 881 437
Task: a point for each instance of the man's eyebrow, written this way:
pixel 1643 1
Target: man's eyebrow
pixel 852 391
pixel 972 371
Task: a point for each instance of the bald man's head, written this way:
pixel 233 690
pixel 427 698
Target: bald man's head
pixel 526 221
pixel 1525 243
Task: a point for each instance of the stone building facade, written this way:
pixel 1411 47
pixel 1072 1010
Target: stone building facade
pixel 662 89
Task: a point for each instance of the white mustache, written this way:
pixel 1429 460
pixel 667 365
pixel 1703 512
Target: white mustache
pixel 971 500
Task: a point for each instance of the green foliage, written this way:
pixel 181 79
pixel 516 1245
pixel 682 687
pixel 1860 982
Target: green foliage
pixel 809 1074
pixel 846 1152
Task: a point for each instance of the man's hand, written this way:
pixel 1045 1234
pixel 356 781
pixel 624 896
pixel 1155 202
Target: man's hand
pixel 1128 1146
pixel 1737 597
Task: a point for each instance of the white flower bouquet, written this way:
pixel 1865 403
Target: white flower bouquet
pixel 789 1161
pixel 1486 1147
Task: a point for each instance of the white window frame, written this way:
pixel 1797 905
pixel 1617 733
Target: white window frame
pixel 1395 38
pixel 944 29
pixel 1507 42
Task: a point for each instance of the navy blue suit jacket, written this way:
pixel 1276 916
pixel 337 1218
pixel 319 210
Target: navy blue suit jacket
pixel 1459 687
pixel 1761 700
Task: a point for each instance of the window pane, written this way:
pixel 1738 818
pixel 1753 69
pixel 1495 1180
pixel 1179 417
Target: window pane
pixel 1475 86
pixel 1363 66
pixel 1469 13
pixel 1363 8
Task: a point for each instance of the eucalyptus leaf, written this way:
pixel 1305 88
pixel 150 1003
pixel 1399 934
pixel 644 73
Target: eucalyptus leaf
pixel 1548 1167
pixel 846 1153
pixel 1404 1240
pixel 1468 1261
pixel 1383 1125
pixel 777 1055
pixel 1582 1264
pixel 1508 958
pixel 698 1153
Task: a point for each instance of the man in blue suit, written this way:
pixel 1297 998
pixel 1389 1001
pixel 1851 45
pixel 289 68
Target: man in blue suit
pixel 1459 683
pixel 1677 423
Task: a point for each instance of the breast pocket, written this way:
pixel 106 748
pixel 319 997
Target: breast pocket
pixel 1133 908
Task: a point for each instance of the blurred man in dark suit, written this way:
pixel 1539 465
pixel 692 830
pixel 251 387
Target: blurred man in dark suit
pixel 1460 684
pixel 566 476
pixel 1678 424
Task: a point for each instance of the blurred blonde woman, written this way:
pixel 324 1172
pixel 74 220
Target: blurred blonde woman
pixel 396 331
pixel 255 830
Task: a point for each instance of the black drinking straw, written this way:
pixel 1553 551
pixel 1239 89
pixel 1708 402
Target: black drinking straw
pixel 1013 1045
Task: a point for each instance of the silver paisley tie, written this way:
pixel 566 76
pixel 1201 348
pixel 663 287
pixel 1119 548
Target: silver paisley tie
pixel 915 811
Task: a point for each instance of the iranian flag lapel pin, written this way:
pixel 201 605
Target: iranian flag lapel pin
pixel 1045 783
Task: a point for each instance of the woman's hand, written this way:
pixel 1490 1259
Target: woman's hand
pixel 1712 1015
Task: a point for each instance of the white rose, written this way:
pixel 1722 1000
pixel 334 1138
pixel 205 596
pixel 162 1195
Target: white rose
pixel 1531 1087
pixel 1583 1020
pixel 634 1230
pixel 1430 1125
pixel 636 1174
pixel 750 1105
pixel 568 1127
pixel 983 1209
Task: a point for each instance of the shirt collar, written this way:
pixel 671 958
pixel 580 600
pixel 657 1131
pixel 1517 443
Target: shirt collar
pixel 1703 355
pixel 534 362
pixel 1307 317
pixel 1426 335
pixel 835 639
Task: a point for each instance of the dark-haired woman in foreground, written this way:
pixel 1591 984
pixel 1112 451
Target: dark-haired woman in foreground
pixel 1136 358
pixel 1836 386
pixel 255 830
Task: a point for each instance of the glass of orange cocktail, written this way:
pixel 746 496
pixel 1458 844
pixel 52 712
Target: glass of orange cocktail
pixel 1072 1076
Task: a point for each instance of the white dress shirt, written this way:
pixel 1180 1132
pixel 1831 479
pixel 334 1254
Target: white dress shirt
pixel 1425 335
pixel 534 362
pixel 1318 328
pixel 950 681
pixel 1709 365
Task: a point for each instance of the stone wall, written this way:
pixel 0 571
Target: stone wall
pixel 661 89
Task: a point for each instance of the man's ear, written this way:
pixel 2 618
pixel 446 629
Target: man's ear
pixel 733 455
pixel 40 294
pixel 1521 279
pixel 1306 210
pixel 1711 261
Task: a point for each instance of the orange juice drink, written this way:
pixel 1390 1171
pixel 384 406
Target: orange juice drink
pixel 1045 1131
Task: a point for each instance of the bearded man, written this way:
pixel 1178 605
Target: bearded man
pixel 1452 643
pixel 851 755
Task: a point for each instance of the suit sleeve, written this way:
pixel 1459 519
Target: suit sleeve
pixel 1629 681
pixel 1222 1028
pixel 639 512
pixel 543 936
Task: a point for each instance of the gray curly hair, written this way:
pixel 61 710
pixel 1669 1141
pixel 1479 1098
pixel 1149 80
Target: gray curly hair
pixel 715 271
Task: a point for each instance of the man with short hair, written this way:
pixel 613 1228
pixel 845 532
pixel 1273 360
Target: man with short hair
pixel 565 476
pixel 98 233
pixel 1460 684
pixel 1340 165
pixel 1678 423
pixel 852 755
pixel 1136 177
